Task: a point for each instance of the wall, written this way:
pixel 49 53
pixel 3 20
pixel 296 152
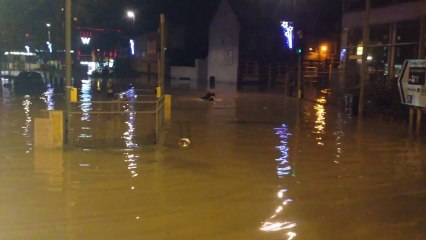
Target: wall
pixel 394 13
pixel 194 77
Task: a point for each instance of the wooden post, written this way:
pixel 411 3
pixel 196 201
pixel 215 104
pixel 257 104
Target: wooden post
pixel 364 66
pixel 419 120
pixel 411 119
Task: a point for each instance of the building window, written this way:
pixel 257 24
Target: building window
pixel 249 68
pixel 379 34
pixel 408 31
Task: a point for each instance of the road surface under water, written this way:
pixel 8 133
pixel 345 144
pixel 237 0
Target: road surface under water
pixel 259 166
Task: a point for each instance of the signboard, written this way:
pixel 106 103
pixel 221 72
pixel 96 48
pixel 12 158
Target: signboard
pixel 412 83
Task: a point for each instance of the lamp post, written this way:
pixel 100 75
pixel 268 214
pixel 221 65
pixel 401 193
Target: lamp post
pixel 364 67
pixel 68 70
pixel 48 31
pixel 131 15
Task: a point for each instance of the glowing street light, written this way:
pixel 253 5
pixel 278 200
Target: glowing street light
pixel 48 31
pixel 132 15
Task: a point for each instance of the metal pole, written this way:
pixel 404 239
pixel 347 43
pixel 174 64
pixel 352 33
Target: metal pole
pixel 411 119
pixel 162 52
pixel 364 67
pixel 67 69
pixel 419 121
pixel 299 77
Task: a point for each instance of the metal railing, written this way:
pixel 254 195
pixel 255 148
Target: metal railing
pixel 122 107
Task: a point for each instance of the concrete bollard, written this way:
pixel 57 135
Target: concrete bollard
pixel 49 130
pixel 167 108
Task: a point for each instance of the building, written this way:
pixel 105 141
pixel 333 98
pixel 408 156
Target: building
pixel 396 33
pixel 224 42
pixel 99 48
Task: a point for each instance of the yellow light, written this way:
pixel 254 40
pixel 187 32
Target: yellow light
pixel 324 48
pixel 359 51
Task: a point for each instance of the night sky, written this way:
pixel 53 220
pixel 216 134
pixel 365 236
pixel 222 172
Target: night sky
pixel 317 18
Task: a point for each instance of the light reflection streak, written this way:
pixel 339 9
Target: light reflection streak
pixel 284 171
pixel 320 123
pixel 339 135
pixel 48 97
pixel 5 91
pixel 130 158
pixel 26 103
pixel 86 106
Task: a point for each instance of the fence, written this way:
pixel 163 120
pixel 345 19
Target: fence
pixel 106 122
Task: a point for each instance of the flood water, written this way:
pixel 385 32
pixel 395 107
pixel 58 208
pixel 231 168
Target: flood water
pixel 259 166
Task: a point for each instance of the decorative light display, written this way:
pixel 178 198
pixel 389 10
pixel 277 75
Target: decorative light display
pixel 132 46
pixel 288 28
pixel 49 46
pixel 343 54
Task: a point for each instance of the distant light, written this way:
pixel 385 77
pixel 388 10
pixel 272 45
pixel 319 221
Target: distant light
pixel 20 53
pixel 311 49
pixel 369 58
pixel 288 33
pixel 359 51
pixel 48 25
pixel 343 54
pixel 27 48
pixel 130 14
pixel 324 48
pixel 85 40
pixel 132 46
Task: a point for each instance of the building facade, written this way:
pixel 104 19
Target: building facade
pixel 396 32
pixel 224 40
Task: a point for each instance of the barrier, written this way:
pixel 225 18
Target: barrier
pixel 112 109
pixel 48 130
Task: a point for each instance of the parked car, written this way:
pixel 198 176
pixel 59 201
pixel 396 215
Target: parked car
pixel 29 82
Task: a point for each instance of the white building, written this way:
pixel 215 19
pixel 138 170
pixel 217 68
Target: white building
pixel 224 37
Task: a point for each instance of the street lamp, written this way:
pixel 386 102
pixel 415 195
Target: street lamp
pixel 48 31
pixel 131 14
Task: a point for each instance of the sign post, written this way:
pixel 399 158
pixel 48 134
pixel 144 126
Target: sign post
pixel 412 88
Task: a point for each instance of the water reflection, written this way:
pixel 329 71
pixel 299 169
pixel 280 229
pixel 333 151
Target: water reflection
pixel 47 97
pixel 130 157
pixel 26 103
pixel 49 165
pixel 319 128
pixel 86 107
pixel 339 135
pixel 279 221
pixel 129 135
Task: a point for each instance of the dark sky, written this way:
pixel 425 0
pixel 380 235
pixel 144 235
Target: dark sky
pixel 319 17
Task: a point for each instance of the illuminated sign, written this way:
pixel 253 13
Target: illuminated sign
pixel 85 37
pixel 85 40
pixel 287 28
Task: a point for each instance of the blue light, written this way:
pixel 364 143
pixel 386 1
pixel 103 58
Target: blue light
pixel 288 33
pixel 343 54
pixel 132 46
pixel 49 45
